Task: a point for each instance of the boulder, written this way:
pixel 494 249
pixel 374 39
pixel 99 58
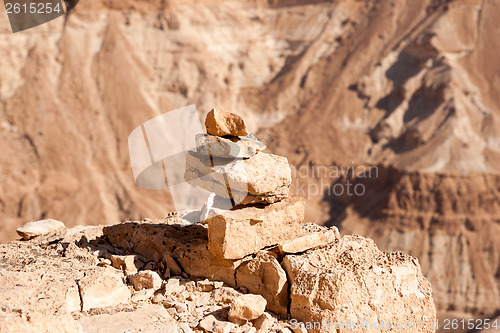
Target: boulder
pixel 220 122
pixel 237 233
pixel 247 307
pixel 264 178
pixel 353 280
pixel 228 147
pixel 37 228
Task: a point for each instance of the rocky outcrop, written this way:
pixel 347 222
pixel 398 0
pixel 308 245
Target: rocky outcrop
pixel 344 278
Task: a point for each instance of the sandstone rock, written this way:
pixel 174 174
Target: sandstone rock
pixel 220 123
pixel 236 233
pixel 225 295
pixel 207 323
pixel 309 241
pixel 264 275
pixel 228 147
pixel 172 286
pixel 354 279
pixel 37 228
pixel 187 244
pixel 223 327
pixel 125 263
pixel 264 322
pixel 247 307
pixel 99 289
pixel 264 178
pixel 145 280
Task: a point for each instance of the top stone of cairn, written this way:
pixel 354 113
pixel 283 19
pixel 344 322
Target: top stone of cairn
pixel 220 122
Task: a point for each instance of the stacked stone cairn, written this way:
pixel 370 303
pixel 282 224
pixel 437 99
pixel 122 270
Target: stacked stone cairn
pixel 250 208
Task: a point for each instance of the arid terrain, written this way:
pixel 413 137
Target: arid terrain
pixel 407 87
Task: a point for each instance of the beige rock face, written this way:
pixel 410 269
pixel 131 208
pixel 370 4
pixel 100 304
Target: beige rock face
pixel 230 147
pixel 264 275
pixel 264 178
pixel 353 279
pixel 100 289
pixel 37 228
pixel 220 123
pixel 247 307
pixel 236 233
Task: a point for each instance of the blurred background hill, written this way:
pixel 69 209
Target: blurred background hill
pixel 408 87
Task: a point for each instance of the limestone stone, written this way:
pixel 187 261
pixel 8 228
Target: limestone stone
pixel 125 263
pixel 220 122
pixel 354 279
pixel 145 280
pixel 99 289
pixel 228 147
pixel 310 240
pixel 236 233
pixel 247 307
pixel 172 286
pixel 264 275
pixel 263 178
pixel 37 228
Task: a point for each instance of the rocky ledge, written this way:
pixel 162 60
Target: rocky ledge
pixel 159 275
pixel 252 266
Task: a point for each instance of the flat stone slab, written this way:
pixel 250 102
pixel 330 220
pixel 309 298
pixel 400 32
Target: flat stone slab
pixel 237 233
pixel 263 178
pixel 228 147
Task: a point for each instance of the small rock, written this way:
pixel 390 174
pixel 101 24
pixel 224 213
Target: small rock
pixel 172 265
pixel 247 307
pixel 264 322
pixel 104 262
pixel 145 280
pixel 202 300
pixel 299 330
pixel 205 285
pixel 207 324
pixel 225 295
pixel 220 123
pixel 228 147
pixel 218 284
pixel 223 327
pixel 181 307
pixel 158 299
pixel 172 286
pixel 285 330
pixel 37 228
pixel 142 295
pixel 125 263
pixel 250 330
pixel 190 286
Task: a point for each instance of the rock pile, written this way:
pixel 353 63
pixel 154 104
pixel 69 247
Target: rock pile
pixel 252 184
pixel 254 254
